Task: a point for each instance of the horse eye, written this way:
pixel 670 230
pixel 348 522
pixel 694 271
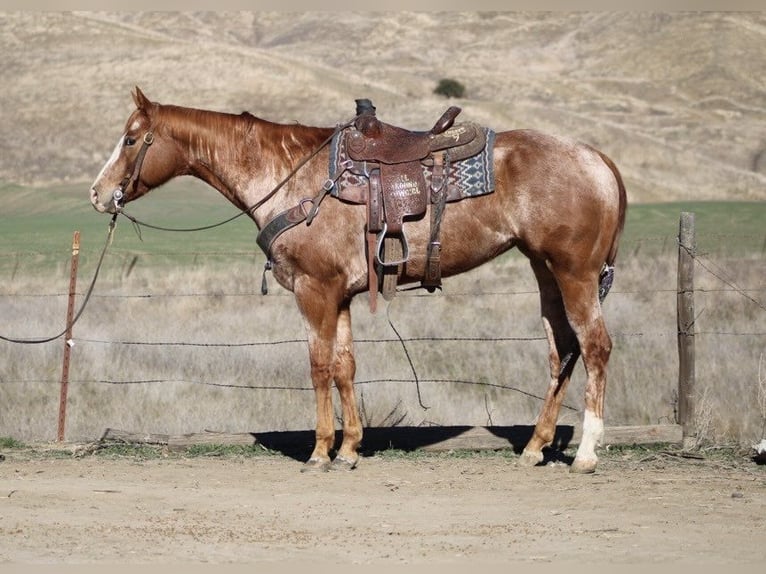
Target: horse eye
pixel 129 141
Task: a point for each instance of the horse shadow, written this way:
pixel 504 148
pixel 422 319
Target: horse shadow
pixel 299 444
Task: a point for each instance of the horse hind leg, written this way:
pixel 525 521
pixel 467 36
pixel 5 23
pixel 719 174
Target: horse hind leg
pixel 582 301
pixel 563 353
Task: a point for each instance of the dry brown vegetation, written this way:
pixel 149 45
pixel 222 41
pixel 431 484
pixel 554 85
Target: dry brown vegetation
pixel 207 351
pixel 675 98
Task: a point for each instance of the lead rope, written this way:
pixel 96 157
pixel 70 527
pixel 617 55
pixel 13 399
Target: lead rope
pixel 110 234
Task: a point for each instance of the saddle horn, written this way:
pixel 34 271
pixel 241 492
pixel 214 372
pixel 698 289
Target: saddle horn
pixel 366 121
pixel 445 122
pixel 364 106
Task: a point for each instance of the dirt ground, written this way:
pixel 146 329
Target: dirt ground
pixel 639 507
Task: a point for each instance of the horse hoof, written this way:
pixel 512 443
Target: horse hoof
pixel 529 458
pixel 316 465
pixel 580 466
pixel 343 463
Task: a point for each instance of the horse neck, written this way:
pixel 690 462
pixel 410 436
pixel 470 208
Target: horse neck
pixel 241 156
pixel 209 144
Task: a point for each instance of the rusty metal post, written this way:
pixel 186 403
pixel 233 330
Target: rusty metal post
pixel 68 343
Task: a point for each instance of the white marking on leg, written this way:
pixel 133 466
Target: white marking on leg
pixel 592 436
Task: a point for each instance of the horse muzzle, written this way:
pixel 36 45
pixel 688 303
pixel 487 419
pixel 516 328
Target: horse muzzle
pixel 112 203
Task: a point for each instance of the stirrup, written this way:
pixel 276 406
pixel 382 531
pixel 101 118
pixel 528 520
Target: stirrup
pixel 379 249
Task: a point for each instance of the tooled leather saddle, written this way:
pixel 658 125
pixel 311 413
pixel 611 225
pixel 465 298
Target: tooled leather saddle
pixel 398 173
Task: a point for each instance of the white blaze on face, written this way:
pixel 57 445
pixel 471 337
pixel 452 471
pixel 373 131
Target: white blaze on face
pixel 111 161
pixel 115 154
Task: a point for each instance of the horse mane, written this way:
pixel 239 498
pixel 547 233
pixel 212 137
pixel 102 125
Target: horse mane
pixel 228 133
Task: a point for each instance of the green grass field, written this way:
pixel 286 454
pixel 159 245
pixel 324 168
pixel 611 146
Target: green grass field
pixel 42 221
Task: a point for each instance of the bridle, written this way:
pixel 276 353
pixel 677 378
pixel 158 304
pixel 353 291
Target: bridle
pixel 119 194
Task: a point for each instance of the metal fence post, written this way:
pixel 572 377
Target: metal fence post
pixel 68 343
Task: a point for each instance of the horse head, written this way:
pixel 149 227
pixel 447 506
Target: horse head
pixel 140 161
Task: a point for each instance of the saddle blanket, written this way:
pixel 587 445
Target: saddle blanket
pixel 474 176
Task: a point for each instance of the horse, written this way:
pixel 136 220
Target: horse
pixel 560 202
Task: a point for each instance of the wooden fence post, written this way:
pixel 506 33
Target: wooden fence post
pixel 68 337
pixel 687 246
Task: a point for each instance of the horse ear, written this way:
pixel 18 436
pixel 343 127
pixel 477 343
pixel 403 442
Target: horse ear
pixel 142 102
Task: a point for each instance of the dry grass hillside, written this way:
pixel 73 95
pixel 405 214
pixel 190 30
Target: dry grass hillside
pixel 677 99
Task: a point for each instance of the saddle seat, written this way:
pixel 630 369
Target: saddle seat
pixel 377 141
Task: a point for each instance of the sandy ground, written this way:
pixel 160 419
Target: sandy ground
pixel 638 508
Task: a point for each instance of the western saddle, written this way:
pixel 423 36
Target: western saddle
pixel 396 161
pixel 396 173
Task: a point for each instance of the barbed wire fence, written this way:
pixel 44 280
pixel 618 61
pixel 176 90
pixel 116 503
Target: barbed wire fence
pixel 751 296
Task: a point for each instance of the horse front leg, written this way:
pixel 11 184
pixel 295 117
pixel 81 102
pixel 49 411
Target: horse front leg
pixel 345 370
pixel 320 314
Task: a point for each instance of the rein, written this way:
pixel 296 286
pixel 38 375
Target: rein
pixel 137 224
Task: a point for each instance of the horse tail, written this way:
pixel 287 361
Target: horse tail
pixel 607 273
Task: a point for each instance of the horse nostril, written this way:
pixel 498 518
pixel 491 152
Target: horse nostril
pixel 95 200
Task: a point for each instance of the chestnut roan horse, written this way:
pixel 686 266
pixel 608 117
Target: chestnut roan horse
pixel 561 203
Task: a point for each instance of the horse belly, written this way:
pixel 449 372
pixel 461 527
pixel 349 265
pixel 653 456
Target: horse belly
pixel 473 232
